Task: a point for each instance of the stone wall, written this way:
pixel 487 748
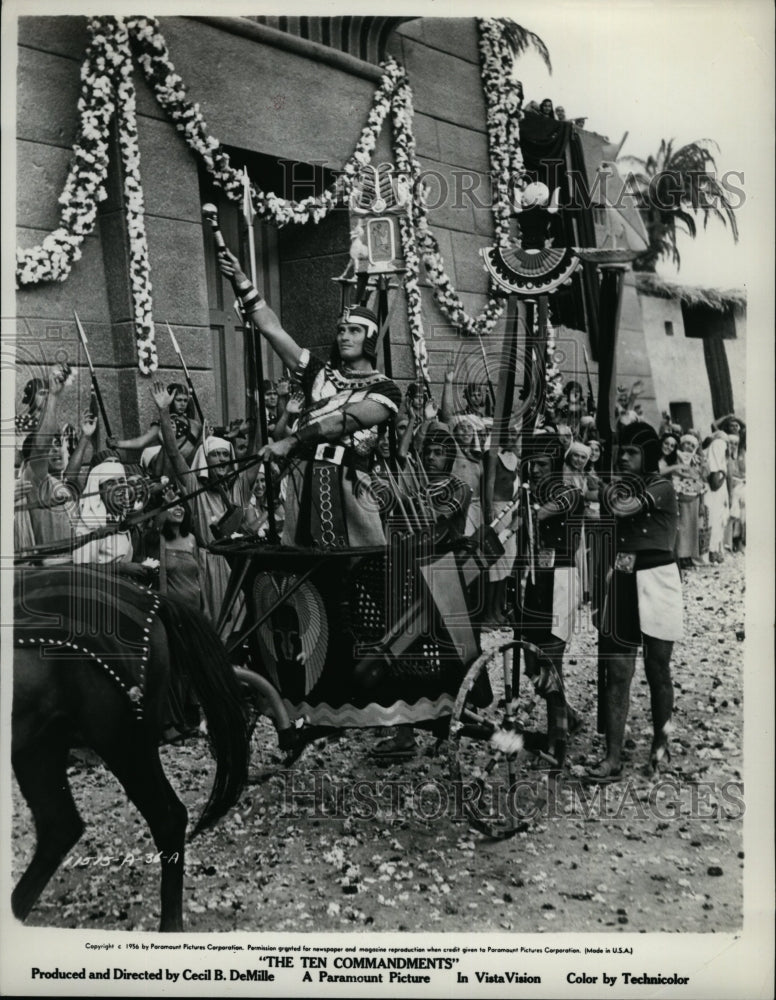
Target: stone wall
pixel 280 104
pixel 678 365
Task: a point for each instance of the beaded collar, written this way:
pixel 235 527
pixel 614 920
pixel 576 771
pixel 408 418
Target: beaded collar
pixel 345 378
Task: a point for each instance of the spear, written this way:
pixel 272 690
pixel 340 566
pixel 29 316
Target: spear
pixel 491 388
pixel 254 358
pixel 190 384
pixel 590 395
pixel 530 527
pixel 255 363
pixel 210 212
pixel 93 374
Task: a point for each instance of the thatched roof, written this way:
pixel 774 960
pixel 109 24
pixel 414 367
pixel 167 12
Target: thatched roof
pixel 692 295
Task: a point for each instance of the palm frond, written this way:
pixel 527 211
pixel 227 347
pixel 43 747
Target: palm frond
pixel 671 189
pixel 688 222
pixel 520 40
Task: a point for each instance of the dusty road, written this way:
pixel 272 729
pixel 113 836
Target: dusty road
pixel 641 856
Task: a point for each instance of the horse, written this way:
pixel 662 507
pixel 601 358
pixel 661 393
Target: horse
pixel 97 658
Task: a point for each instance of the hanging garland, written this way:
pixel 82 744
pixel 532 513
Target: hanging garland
pixel 553 377
pixel 85 184
pixel 504 99
pixel 139 266
pixel 107 72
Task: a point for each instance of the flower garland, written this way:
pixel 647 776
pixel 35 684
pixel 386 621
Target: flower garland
pixel 504 99
pixel 553 377
pixel 414 300
pixel 139 266
pixel 392 95
pixel 444 293
pixel 107 75
pixel 170 91
pixel 85 184
pixel 106 87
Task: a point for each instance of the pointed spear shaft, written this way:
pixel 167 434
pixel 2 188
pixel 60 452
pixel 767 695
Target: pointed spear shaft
pixel 190 384
pixel 93 375
pixel 255 361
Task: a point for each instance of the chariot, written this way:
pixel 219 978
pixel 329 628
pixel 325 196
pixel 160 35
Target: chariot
pixel 328 641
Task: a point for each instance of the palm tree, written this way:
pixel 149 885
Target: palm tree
pixel 520 40
pixel 671 190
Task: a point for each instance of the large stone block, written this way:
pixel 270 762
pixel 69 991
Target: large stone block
pixel 426 138
pixel 169 172
pixel 464 147
pixel 83 290
pixel 277 103
pixel 483 217
pixel 456 35
pixel 148 106
pixel 449 203
pixel 470 272
pixel 195 344
pixel 41 172
pixel 47 98
pixel 409 29
pixel 178 280
pixel 115 245
pixel 64 35
pixel 431 74
pixel 42 343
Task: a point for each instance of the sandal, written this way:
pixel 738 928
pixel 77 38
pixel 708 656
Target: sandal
pixel 394 748
pixel 597 777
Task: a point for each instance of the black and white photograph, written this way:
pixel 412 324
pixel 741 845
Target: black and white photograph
pixel 387 491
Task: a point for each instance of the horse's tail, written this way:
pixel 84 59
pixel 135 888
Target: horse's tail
pixel 197 652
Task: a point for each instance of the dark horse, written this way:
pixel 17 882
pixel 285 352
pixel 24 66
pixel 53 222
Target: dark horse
pixel 95 658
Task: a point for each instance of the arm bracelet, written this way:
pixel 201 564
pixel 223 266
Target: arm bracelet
pixel 251 299
pixel 302 363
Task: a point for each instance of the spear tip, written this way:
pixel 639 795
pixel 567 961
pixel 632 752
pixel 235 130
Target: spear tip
pixel 81 331
pixel 172 338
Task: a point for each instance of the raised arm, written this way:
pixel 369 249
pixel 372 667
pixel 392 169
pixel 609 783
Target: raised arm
pixel 151 436
pixel 293 408
pixel 446 411
pixel 88 429
pixel 260 314
pixel 41 443
pixel 184 475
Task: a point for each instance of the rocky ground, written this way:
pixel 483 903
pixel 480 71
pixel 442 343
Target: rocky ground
pixel 646 855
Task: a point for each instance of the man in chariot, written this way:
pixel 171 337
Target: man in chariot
pixel 329 500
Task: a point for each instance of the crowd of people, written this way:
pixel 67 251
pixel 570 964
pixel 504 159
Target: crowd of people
pixel 150 504
pixel 348 458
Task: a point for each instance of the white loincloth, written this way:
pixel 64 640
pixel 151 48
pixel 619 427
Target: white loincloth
pixel 660 602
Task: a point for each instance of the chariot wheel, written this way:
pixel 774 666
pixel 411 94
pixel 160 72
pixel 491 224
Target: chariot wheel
pixel 493 749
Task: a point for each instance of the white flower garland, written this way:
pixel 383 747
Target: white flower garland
pixel 504 98
pixel 85 184
pixel 107 71
pixel 444 293
pixel 139 266
pixel 106 87
pixel 553 377
pixel 171 94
